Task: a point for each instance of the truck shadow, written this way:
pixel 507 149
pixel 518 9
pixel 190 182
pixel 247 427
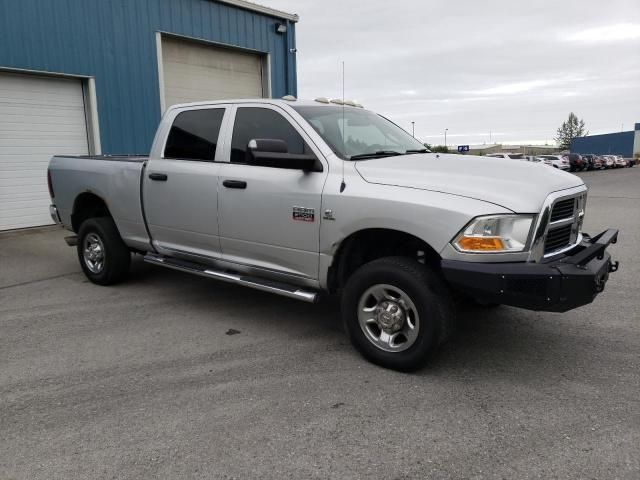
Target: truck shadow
pixel 504 341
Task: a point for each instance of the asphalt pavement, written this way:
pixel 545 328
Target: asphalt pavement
pixel 174 376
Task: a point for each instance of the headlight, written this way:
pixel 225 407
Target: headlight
pixel 495 234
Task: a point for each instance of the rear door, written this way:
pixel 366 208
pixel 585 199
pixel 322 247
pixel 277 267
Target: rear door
pixel 180 187
pixel 270 217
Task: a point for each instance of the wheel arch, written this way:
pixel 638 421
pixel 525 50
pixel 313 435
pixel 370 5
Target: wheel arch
pixel 88 205
pixel 369 244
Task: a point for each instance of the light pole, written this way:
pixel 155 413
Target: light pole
pixel 413 129
pixel 445 137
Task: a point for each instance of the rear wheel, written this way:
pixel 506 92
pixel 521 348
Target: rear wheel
pixel 103 256
pixel 396 312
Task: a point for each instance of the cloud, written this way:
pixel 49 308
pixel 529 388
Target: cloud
pixel 517 68
pixel 513 88
pixel 529 86
pixel 606 34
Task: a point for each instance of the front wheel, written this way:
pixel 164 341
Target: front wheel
pixel 103 256
pixel 396 312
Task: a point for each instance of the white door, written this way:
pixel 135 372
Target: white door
pixel 181 186
pixel 39 117
pixel 269 217
pixel 195 72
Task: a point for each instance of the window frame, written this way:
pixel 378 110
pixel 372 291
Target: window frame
pixel 175 113
pixel 315 150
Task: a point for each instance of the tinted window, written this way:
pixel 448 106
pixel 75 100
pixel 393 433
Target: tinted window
pixel 194 135
pixel 253 123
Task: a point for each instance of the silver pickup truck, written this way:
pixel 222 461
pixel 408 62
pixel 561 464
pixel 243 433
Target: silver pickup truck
pixel 301 198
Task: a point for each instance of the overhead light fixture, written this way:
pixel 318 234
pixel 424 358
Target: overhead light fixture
pixel 281 28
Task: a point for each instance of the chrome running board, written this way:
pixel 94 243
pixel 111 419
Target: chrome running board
pixel 270 286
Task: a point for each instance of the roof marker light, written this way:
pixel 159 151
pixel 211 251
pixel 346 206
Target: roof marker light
pixel 289 98
pixel 322 100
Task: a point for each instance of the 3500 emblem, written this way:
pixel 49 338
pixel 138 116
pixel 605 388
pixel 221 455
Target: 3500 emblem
pixel 302 214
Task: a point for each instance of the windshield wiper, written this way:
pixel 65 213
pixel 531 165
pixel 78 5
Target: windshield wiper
pixel 379 153
pixel 419 150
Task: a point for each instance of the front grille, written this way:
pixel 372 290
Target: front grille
pixel 564 234
pixel 558 238
pixel 563 209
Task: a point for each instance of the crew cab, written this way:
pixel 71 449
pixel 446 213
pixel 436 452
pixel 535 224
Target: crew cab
pixel 305 198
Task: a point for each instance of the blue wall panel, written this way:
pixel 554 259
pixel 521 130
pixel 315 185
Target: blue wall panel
pixel 115 42
pixel 620 143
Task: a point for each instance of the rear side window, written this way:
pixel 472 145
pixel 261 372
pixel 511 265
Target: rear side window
pixel 262 123
pixel 194 135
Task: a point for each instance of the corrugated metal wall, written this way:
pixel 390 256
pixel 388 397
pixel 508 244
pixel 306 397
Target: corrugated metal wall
pixel 620 143
pixel 115 42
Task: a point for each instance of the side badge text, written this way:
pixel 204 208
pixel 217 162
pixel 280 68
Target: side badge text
pixel 303 214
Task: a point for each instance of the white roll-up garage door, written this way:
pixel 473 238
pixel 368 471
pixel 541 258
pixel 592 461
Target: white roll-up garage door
pixel 194 72
pixel 39 117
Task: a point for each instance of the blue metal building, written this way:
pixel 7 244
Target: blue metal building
pixel 95 76
pixel 113 48
pixel 620 143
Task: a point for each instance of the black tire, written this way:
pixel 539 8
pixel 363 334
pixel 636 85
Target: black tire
pixel 116 255
pixel 426 290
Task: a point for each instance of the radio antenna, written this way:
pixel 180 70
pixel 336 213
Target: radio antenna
pixel 344 148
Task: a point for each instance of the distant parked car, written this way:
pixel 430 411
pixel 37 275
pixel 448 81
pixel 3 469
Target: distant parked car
pixel 576 162
pixel 593 162
pixel 558 161
pixel 508 156
pixel 620 162
pixel 609 161
pixel 536 159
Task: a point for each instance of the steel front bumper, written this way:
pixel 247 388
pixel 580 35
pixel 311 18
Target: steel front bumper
pixel 562 284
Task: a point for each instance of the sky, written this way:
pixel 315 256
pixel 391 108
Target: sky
pixel 488 71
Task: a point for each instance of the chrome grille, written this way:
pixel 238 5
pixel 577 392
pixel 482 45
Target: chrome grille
pixel 563 209
pixel 565 222
pixel 557 239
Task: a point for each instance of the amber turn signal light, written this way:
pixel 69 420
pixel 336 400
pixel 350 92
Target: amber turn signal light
pixel 480 244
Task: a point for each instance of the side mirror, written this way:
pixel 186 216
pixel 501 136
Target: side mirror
pixel 274 153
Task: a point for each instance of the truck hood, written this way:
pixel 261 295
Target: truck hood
pixel 517 185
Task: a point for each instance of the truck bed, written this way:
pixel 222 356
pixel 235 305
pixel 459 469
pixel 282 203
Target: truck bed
pixel 115 179
pixel 111 158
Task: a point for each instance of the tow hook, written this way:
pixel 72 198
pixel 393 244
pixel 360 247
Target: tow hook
pixel 613 266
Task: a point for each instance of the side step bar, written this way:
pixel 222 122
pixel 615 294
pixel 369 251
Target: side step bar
pixel 270 286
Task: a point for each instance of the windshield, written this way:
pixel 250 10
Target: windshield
pixel 366 134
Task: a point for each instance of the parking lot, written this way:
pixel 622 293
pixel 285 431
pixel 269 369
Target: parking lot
pixel 176 376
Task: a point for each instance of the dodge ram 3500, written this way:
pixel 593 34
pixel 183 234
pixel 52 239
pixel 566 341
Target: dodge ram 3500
pixel 301 198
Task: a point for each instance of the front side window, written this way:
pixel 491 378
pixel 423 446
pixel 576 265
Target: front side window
pixel 352 132
pixel 194 135
pixel 262 123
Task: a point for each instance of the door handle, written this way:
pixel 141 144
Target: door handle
pixel 158 177
pixel 235 184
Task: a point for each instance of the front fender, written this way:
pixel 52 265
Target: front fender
pixel 433 217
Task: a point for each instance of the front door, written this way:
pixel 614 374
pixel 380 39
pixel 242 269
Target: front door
pixel 269 217
pixel 180 189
